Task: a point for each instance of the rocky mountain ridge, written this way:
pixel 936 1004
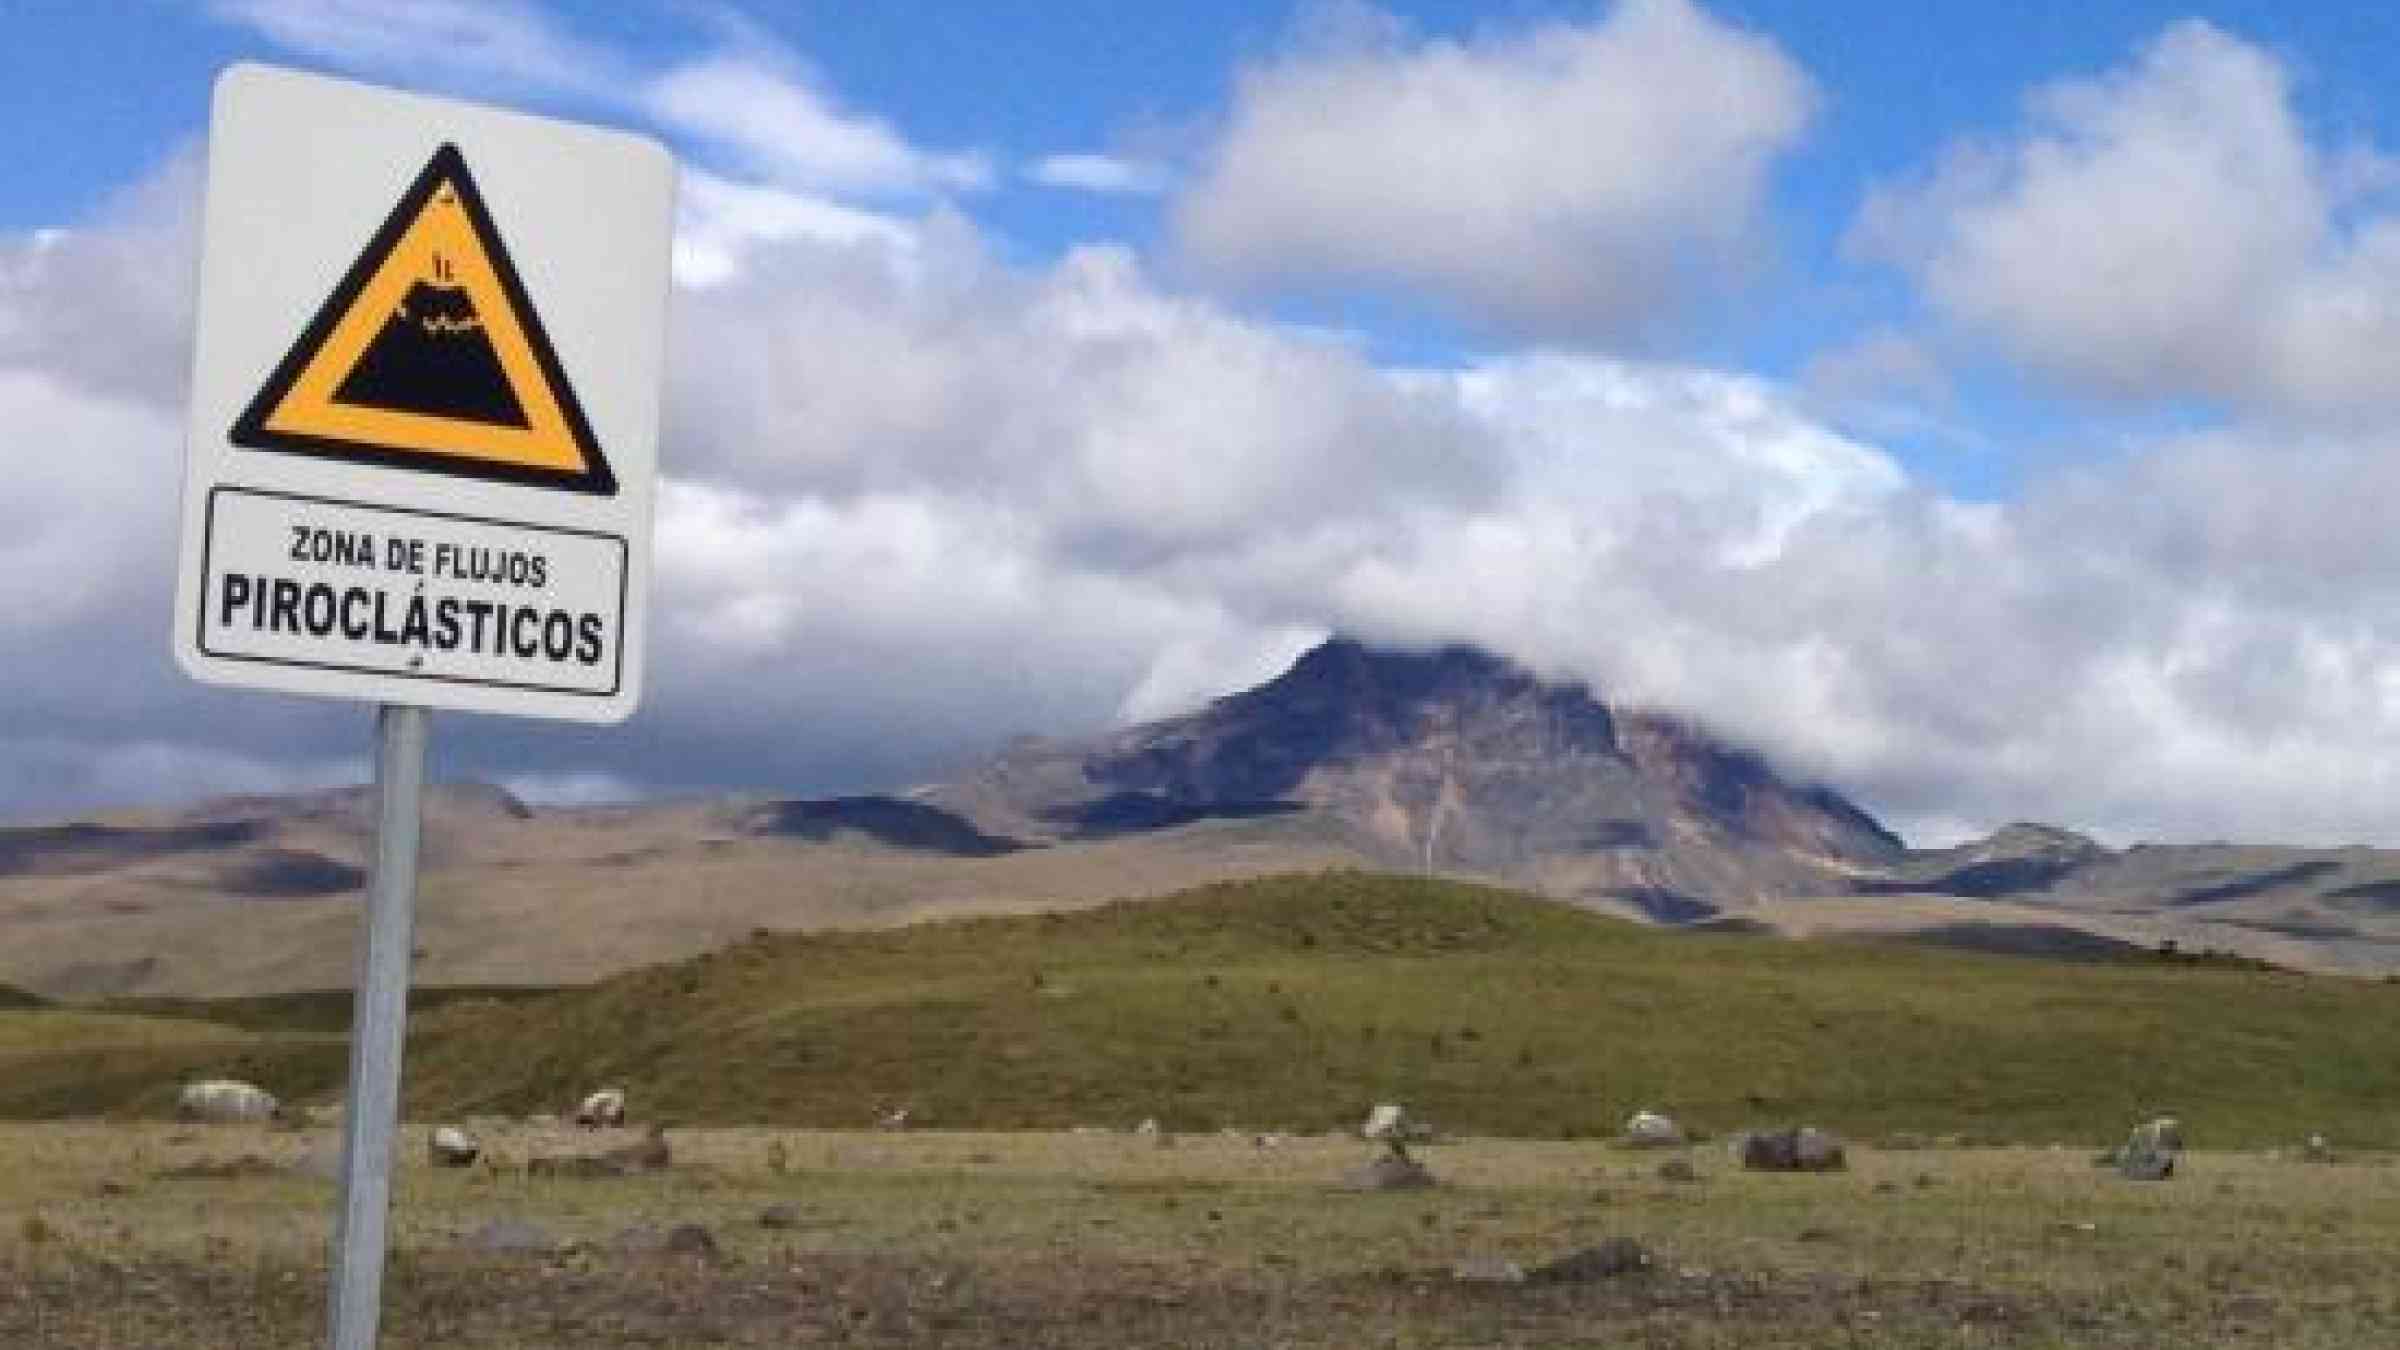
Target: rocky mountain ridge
pixel 1445 760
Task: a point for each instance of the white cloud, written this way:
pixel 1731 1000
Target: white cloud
pixel 2167 229
pixel 746 97
pixel 719 222
pixel 1564 179
pixel 780 123
pixel 920 500
pixel 1099 173
pixel 438 42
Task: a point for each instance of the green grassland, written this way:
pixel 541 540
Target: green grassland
pixel 1294 1003
pixel 131 1236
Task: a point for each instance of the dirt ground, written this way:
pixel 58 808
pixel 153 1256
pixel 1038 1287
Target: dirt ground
pixel 158 1236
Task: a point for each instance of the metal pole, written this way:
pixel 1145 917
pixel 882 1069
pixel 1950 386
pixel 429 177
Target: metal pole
pixel 378 1017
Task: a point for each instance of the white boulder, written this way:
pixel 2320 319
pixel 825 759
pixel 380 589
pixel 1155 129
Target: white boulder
pixel 226 1101
pixel 1650 1129
pixel 451 1146
pixel 604 1108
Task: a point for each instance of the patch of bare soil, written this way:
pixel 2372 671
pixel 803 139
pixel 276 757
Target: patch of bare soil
pixel 585 1298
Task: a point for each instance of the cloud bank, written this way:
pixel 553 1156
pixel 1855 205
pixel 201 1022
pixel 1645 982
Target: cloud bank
pixel 922 497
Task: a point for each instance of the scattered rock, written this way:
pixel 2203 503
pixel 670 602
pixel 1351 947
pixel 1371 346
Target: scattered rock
pixel 2318 1149
pixel 1487 1270
pixel 895 1119
pixel 602 1109
pixel 2162 1135
pixel 226 1101
pixel 451 1146
pixel 1387 1121
pixel 1678 1169
pixel 1819 1150
pixel 1650 1129
pixel 1390 1172
pixel 510 1235
pixel 1149 1125
pixel 1617 1256
pixel 1807 1149
pixel 2136 1164
pixel 1770 1151
pixel 691 1239
pixel 779 1216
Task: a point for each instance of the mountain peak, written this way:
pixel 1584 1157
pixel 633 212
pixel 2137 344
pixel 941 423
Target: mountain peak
pixel 1450 757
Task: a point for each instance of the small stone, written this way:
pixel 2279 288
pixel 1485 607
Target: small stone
pixel 1819 1150
pixel 1650 1129
pixel 779 1216
pixel 691 1239
pixel 450 1146
pixel 1677 1169
pixel 2139 1164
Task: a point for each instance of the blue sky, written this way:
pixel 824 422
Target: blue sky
pixel 108 90
pixel 1982 407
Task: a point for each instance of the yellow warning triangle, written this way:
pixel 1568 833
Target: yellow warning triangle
pixel 429 357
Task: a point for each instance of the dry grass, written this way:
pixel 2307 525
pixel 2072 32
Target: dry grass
pixel 1106 1239
pixel 566 898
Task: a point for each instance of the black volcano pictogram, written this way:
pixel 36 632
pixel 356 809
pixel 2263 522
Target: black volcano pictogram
pixel 428 356
pixel 432 357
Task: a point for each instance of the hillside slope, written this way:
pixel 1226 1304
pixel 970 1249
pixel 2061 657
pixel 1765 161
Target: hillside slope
pixel 1295 1002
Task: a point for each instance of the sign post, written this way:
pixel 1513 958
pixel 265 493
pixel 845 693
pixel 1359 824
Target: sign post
pixel 379 1016
pixel 419 465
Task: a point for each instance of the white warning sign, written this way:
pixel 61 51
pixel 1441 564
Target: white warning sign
pixel 423 436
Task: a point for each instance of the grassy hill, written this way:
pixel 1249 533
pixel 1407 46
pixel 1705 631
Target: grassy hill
pixel 127 1057
pixel 1295 1002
